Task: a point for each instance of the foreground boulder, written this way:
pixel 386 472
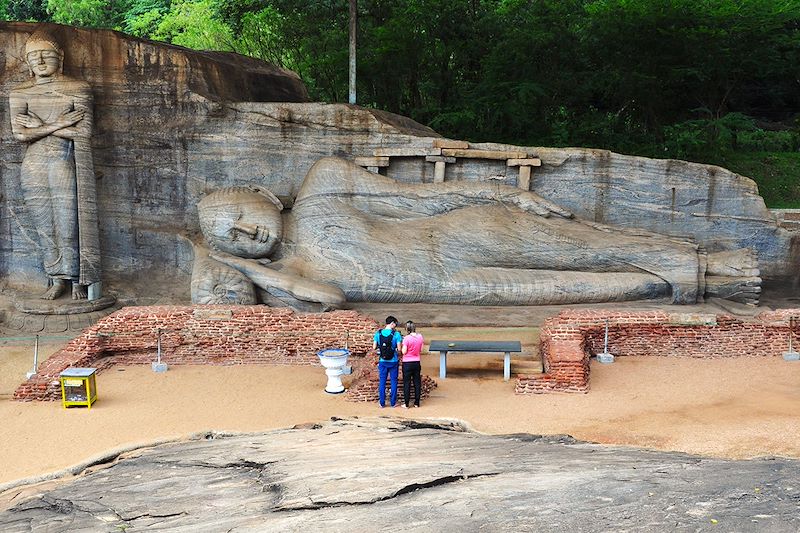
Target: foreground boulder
pixel 427 475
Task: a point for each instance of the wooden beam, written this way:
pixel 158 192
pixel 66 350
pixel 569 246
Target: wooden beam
pixel 406 152
pixel 367 161
pixel 530 162
pixel 448 143
pixel 483 154
pixel 439 159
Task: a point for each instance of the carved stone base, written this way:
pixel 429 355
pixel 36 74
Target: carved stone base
pixel 63 306
pixel 17 322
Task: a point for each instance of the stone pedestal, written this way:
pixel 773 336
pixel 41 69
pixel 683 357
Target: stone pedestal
pixel 63 306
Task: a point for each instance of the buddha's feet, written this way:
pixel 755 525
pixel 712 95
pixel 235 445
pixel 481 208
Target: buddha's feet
pixel 79 291
pixel 56 289
pixel 734 275
pixel 736 263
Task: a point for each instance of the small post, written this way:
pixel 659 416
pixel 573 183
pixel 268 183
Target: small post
pixel 438 172
pixel 524 180
pixel 347 370
pixel 605 357
pixel 35 358
pixel 158 366
pixel 791 355
pixel 439 166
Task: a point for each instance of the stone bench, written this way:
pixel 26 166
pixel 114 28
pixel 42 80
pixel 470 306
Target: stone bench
pixel 504 347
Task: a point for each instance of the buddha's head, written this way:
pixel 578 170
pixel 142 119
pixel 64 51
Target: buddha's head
pixel 44 55
pixel 241 221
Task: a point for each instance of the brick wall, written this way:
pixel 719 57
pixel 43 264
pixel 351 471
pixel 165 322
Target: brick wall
pixel 207 335
pixel 571 337
pixel 364 386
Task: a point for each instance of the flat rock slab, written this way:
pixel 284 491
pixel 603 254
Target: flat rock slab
pixel 375 474
pixel 63 306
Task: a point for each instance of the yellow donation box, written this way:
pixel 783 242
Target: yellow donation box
pixel 78 387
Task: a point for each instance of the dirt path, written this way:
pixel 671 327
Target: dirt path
pixel 730 408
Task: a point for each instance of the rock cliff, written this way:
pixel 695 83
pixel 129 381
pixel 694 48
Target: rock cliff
pixel 172 125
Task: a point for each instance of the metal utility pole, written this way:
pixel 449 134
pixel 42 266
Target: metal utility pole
pixel 353 25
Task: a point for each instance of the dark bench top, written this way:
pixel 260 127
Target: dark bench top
pixel 475 346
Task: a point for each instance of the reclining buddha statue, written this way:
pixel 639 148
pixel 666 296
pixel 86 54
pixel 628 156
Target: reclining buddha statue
pixel 353 235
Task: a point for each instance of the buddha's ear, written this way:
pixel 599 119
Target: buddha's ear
pixel 266 193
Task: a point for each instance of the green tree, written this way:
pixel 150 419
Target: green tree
pixel 143 16
pixel 667 60
pixel 33 10
pixel 195 24
pixel 93 13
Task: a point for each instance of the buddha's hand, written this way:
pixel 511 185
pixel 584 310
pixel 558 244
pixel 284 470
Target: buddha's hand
pixel 532 202
pixel 28 120
pixel 69 118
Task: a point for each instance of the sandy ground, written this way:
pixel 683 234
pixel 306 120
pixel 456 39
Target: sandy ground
pixel 735 408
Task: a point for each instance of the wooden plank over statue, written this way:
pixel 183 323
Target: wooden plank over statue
pixel 371 161
pixel 449 143
pixel 529 162
pixel 406 152
pixel 483 154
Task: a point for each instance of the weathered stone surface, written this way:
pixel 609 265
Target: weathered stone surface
pixel 377 474
pixel 172 125
pixel 466 242
pixel 63 306
pixel 52 114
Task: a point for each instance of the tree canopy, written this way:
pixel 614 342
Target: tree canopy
pixel 668 78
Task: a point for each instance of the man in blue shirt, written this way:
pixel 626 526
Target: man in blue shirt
pixel 386 342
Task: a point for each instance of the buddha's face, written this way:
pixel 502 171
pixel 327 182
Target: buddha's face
pixel 44 63
pixel 241 222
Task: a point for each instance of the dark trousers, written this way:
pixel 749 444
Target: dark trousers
pixel 412 371
pixel 387 369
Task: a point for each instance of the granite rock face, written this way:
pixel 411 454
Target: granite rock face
pixel 173 125
pixel 376 474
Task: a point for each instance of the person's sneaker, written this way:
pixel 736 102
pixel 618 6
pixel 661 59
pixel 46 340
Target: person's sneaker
pixel 405 406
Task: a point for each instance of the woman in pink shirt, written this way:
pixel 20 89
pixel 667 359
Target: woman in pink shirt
pixel 412 369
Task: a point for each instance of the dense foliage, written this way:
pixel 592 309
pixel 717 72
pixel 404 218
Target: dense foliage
pixel 694 79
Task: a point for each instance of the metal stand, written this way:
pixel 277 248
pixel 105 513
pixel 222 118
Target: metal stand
pixel 158 366
pixel 35 359
pixel 605 357
pixel 791 355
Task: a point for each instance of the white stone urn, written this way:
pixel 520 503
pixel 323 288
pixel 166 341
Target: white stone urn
pixel 334 360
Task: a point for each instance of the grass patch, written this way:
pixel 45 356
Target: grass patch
pixel 776 173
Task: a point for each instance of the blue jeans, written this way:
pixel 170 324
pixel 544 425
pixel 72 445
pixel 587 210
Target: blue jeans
pixel 390 368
